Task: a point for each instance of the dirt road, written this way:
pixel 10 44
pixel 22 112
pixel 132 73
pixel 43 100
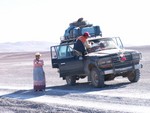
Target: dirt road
pixel 117 96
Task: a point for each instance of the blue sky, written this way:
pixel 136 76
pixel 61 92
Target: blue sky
pixel 46 20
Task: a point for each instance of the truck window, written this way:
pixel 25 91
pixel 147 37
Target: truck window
pixel 65 51
pixel 54 52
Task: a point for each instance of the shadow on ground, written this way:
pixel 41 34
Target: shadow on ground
pixel 62 90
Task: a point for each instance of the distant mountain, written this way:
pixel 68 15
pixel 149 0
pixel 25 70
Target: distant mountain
pixel 27 46
pixel 32 46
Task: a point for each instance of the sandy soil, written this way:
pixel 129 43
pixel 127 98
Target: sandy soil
pixel 10 105
pixel 16 71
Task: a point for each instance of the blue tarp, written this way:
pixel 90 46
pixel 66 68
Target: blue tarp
pixel 73 31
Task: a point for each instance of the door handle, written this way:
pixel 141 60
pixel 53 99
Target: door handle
pixel 62 63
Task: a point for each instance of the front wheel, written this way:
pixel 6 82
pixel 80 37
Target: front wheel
pixel 71 80
pixel 134 76
pixel 96 78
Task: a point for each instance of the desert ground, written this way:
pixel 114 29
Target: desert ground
pixel 119 95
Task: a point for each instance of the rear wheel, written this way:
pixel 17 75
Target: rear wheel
pixel 71 80
pixel 96 78
pixel 134 76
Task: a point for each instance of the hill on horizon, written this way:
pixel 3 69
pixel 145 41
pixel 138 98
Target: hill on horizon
pixel 26 46
pixel 31 46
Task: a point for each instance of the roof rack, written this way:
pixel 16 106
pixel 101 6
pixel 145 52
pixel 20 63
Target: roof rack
pixel 68 40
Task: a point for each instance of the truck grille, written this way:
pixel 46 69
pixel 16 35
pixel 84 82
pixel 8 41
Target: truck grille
pixel 118 63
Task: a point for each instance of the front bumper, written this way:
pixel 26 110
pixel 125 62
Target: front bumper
pixel 122 70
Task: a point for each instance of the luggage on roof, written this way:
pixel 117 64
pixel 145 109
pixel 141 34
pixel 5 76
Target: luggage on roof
pixel 78 28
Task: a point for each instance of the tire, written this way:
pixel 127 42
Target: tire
pixel 96 78
pixel 71 80
pixel 134 76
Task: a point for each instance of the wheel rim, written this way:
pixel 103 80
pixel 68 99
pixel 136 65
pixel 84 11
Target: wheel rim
pixel 131 77
pixel 95 78
pixel 68 79
pixel 134 76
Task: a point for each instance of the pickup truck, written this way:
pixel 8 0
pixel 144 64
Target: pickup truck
pixel 105 60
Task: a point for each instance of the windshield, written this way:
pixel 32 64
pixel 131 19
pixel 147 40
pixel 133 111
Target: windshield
pixel 102 44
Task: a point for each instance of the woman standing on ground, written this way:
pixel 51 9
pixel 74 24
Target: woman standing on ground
pixel 38 73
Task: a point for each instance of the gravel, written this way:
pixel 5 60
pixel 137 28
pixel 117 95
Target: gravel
pixel 9 105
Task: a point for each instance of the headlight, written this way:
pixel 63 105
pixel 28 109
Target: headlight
pixel 136 56
pixel 104 61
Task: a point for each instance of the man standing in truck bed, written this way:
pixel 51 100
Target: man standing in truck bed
pixel 81 43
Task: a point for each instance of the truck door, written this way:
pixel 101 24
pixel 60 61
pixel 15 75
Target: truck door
pixel 66 61
pixel 54 57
